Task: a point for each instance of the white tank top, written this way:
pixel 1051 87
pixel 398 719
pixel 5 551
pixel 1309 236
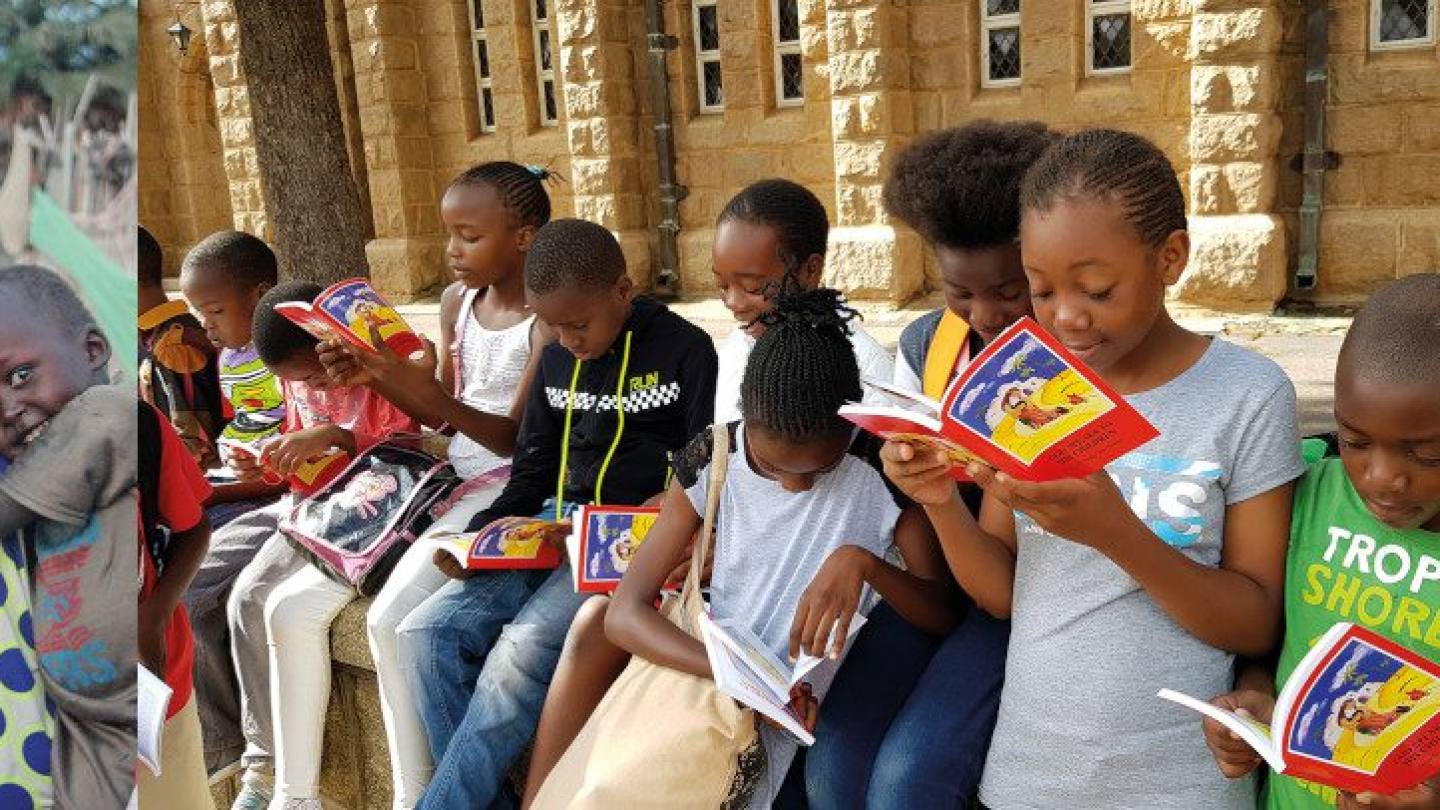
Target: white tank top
pixel 491 365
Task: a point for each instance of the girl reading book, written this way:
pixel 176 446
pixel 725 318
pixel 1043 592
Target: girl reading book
pixel 1159 569
pixel 804 524
pixel 492 341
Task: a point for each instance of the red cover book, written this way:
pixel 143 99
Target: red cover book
pixel 1025 406
pixel 347 310
pixel 603 542
pixel 509 542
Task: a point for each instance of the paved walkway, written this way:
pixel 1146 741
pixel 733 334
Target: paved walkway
pixel 1304 345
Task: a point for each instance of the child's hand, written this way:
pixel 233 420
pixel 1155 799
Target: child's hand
pixel 804 704
pixel 400 373
pixel 924 477
pixel 341 363
pixel 150 635
pixel 246 467
pixel 1424 796
pixel 830 602
pixel 451 567
pixel 1234 756
pixel 285 454
pixel 1088 510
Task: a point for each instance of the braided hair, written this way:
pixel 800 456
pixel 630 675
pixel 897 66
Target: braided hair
pixel 803 367
pixel 788 208
pixel 1118 166
pixel 521 188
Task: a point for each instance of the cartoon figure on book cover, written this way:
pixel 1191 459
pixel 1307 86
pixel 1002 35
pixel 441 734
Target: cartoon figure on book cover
pixel 1361 708
pixel 617 536
pixel 1025 398
pixel 511 537
pixel 364 313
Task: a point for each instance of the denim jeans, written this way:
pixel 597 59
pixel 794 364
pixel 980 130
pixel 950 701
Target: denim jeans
pixel 943 706
pixel 478 656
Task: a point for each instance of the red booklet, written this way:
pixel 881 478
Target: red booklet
pixel 1359 713
pixel 347 310
pixel 309 477
pixel 1025 406
pixel 603 542
pixel 508 542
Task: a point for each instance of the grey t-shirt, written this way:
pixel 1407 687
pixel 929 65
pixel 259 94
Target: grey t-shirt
pixel 769 544
pixel 1079 723
pixel 79 477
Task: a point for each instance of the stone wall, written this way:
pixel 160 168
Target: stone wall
pixel 1217 84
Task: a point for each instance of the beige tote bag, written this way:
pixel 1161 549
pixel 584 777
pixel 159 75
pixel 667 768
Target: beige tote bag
pixel 661 738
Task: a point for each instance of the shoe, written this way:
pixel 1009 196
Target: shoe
pixel 252 796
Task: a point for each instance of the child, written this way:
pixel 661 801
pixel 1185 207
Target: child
pixel 173 540
pixel 1380 499
pixel 805 519
pixel 29 728
pixel 492 212
pixel 70 439
pixel 178 371
pixel 222 278
pixel 771 229
pixel 320 418
pixel 960 188
pixel 629 383
pixel 1155 572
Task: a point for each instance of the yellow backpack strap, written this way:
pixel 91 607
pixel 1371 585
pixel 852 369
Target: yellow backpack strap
pixel 944 354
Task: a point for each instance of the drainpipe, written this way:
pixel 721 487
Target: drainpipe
pixel 667 276
pixel 1315 160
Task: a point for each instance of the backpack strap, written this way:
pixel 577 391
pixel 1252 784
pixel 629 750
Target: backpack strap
pixel 147 481
pixel 690 603
pixel 946 351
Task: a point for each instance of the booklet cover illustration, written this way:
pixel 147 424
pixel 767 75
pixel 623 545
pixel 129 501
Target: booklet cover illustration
pixel 508 542
pixel 1359 713
pixel 1025 406
pixel 347 310
pixel 604 541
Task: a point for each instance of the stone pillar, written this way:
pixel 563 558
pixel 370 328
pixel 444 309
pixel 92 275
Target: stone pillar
pixel 1238 254
pixel 600 88
pixel 232 109
pixel 406 255
pixel 870 119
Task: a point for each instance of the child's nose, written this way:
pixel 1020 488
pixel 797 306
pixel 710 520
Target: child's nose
pixel 1387 472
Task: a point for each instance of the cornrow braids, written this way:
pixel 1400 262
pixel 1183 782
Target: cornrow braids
pixel 795 214
pixel 803 367
pixel 521 188
pixel 1114 165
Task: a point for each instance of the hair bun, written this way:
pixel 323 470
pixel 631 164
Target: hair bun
pixel 820 308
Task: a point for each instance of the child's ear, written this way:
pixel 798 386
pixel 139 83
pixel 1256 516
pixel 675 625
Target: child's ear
pixel 624 289
pixel 97 349
pixel 1174 255
pixel 810 271
pixel 524 238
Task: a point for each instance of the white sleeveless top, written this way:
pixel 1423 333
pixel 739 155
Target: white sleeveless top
pixel 492 363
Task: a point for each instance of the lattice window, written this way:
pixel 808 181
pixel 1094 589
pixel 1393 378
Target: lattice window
pixel 1107 36
pixel 999 43
pixel 1402 23
pixel 708 81
pixel 545 56
pixel 480 53
pixel 789 67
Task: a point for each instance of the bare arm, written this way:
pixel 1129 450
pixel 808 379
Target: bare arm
pixel 632 622
pixel 922 594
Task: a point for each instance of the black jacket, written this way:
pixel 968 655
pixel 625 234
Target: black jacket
pixel 669 396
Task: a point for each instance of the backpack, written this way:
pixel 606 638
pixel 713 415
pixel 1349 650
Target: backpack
pixel 356 528
pixel 147 480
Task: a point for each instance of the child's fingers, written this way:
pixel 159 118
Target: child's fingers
pixel 842 631
pixel 819 635
pixel 797 627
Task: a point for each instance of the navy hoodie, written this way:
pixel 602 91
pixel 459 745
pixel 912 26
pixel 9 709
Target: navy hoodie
pixel 669 396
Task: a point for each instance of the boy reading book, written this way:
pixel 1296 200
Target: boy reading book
pixel 1365 537
pixel 70 485
pixel 627 383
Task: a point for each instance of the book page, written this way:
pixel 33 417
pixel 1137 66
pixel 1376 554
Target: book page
pixel 152 702
pixel 915 429
pixel 1252 731
pixel 909 400
pixel 735 676
pixel 455 543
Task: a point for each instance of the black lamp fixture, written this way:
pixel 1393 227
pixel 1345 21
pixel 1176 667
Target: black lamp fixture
pixel 180 34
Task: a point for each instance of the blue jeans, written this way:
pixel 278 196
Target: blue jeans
pixel 478 656
pixel 932 752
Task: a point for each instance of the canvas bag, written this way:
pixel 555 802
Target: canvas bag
pixel 661 737
pixel 356 528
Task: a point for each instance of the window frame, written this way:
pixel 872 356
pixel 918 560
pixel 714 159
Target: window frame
pixel 1377 13
pixel 988 23
pixel 704 57
pixel 1106 8
pixel 479 37
pixel 543 74
pixel 783 48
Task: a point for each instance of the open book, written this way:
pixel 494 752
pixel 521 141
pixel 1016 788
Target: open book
pixel 347 310
pixel 1359 713
pixel 152 703
pixel 746 670
pixel 1025 406
pixel 603 540
pixel 309 477
pixel 508 542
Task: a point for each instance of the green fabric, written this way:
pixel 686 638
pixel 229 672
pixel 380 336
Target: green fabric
pixel 1336 549
pixel 108 290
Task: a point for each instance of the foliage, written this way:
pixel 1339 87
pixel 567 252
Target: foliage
pixel 60 43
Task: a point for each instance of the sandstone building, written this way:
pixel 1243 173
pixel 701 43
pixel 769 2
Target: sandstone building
pixel 825 92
